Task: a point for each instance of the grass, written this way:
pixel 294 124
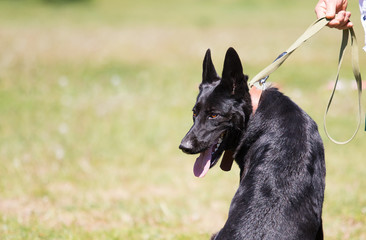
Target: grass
pixel 95 97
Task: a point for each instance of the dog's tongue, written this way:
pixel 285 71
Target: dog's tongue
pixel 202 164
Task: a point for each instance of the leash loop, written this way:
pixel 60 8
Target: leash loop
pixel 263 75
pixel 357 75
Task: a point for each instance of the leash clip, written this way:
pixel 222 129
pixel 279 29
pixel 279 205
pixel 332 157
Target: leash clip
pixel 261 83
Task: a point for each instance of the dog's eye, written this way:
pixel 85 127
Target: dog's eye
pixel 213 116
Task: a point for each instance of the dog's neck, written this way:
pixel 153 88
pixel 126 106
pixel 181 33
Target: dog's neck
pixel 247 138
pixel 255 95
pixel 242 148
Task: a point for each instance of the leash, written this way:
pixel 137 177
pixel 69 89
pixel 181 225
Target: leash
pixel 260 79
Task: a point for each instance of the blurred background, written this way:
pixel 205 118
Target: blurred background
pixel 95 97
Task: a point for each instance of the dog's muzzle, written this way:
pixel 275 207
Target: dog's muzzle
pixel 186 146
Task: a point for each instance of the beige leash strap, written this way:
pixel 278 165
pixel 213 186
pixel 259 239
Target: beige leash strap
pixel 311 31
pixel 357 75
pixel 262 76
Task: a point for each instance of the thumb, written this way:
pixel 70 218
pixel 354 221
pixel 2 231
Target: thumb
pixel 331 9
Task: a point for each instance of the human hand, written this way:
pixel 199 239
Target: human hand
pixel 336 11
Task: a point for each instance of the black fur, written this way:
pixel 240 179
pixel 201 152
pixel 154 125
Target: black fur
pixel 278 150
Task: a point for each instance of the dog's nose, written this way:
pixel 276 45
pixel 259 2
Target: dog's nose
pixel 186 146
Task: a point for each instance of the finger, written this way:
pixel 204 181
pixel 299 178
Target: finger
pixel 330 9
pixel 347 17
pixel 344 5
pixel 349 24
pixel 341 17
pixel 348 14
pixel 342 20
pixel 346 25
pixel 342 26
pixel 320 9
pixel 333 23
pixel 320 13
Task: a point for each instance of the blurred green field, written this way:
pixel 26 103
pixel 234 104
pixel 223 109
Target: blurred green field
pixel 95 97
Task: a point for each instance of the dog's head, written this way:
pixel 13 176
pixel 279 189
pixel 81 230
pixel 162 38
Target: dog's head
pixel 220 114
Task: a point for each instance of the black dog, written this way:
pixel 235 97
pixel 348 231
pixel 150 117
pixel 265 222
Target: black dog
pixel 278 149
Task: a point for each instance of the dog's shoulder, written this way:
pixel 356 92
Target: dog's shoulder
pixel 274 105
pixel 277 113
pixel 279 122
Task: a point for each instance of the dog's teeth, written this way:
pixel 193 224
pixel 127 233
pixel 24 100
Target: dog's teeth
pixel 218 143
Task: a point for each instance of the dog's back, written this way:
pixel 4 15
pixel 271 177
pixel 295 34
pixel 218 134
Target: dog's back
pixel 282 184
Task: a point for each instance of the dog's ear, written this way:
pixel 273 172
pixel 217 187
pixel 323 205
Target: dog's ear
pixel 232 75
pixel 209 74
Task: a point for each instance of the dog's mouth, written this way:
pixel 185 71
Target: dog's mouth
pixel 208 158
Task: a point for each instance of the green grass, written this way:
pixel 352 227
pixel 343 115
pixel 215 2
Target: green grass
pixel 95 97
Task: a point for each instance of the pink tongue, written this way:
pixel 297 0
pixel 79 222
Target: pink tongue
pixel 202 164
